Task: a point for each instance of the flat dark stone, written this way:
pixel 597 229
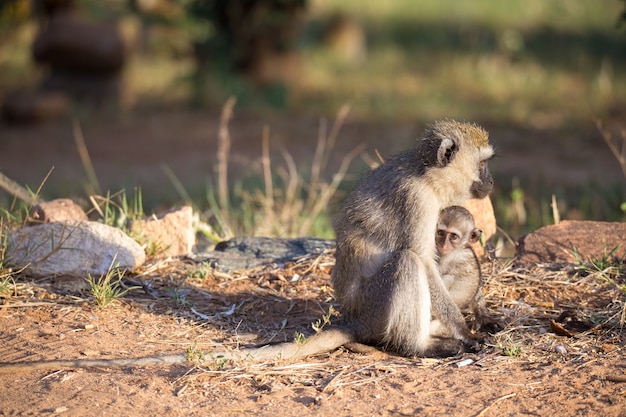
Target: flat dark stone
pixel 251 252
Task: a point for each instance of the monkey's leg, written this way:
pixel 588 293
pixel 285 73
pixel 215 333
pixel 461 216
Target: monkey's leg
pixel 409 308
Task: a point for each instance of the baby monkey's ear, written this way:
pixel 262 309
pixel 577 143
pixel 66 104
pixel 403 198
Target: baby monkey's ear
pixel 475 235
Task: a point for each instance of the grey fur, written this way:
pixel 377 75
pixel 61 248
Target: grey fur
pixel 459 266
pixel 386 278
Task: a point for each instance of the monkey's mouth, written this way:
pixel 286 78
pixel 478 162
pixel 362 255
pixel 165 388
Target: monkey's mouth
pixel 481 189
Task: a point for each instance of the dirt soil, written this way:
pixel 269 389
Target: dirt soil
pixel 573 366
pixel 531 367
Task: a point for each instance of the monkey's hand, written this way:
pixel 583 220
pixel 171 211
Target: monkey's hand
pixel 488 325
pixel 471 346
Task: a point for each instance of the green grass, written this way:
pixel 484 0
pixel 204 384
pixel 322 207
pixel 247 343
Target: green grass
pixel 108 288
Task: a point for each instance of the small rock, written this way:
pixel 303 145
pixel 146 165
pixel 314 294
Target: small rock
pixel 59 210
pixel 484 218
pixel 556 243
pixel 171 232
pixel 251 252
pixel 73 249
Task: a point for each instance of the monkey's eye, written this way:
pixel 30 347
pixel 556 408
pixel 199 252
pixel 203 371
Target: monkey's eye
pixel 454 237
pixel 440 233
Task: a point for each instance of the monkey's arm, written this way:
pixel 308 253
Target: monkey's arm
pixel 322 342
pixel 445 309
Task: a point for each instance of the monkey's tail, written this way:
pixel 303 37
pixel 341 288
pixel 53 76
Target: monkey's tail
pixel 320 343
pixel 162 360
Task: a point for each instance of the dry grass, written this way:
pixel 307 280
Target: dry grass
pixel 549 312
pixel 292 201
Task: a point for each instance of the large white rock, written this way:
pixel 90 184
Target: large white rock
pixel 73 249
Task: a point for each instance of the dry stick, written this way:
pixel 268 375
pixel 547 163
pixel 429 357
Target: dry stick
pixel 20 192
pixel 504 397
pixel 619 155
pixel 291 192
pixel 17 190
pixel 342 114
pixel 555 211
pixel 616 378
pixel 327 193
pixel 85 159
pixel 316 166
pixel 267 174
pixel 223 149
pixel 323 342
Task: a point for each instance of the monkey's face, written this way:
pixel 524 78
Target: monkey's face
pixel 460 163
pixel 484 185
pixel 447 240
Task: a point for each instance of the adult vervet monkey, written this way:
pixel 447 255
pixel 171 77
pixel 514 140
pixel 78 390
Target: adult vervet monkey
pixel 386 277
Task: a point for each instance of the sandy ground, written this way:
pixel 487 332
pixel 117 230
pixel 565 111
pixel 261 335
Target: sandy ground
pixel 526 369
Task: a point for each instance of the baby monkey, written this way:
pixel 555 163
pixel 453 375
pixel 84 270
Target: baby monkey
pixel 459 266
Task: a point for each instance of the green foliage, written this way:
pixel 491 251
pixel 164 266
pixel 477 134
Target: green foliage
pixel 178 296
pixel 200 271
pixel 508 347
pixel 299 338
pixel 608 267
pixel 116 210
pixel 108 287
pixel 319 324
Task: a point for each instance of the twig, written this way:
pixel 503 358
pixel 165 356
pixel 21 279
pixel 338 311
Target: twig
pixel 26 305
pixel 17 190
pixel 223 148
pixel 327 193
pixel 267 173
pixel 333 379
pixel 85 159
pixel 616 378
pixel 620 155
pixel 504 397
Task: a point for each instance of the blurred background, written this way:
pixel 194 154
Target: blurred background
pixel 102 96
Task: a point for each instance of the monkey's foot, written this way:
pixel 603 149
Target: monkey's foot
pixel 444 347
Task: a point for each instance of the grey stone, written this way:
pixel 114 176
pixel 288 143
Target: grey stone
pixel 72 249
pixel 251 252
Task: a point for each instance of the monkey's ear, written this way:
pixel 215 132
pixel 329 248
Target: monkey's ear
pixel 447 149
pixel 475 235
